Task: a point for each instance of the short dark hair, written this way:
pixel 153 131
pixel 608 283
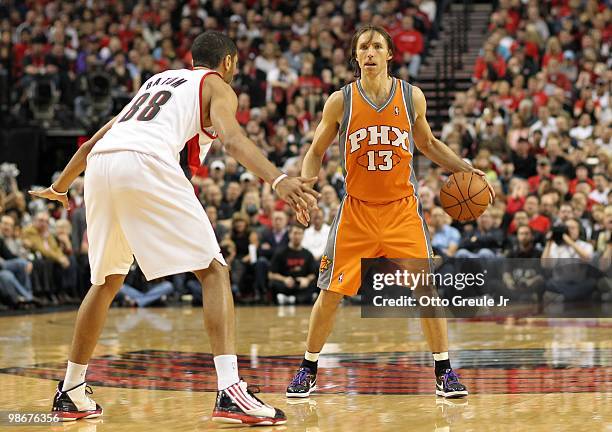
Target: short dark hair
pixel 296 226
pixel 210 48
pixel 358 33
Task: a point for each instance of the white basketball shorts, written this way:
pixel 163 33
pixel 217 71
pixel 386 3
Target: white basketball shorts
pixel 137 205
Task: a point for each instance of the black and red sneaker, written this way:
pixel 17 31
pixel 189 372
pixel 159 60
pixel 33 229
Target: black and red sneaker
pixel 66 409
pixel 238 405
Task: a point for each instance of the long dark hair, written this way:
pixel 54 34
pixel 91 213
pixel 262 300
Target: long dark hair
pixel 358 33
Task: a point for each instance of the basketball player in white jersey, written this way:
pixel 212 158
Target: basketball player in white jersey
pixel 139 203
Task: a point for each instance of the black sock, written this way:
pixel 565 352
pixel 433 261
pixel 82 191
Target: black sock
pixel 312 365
pixel 441 366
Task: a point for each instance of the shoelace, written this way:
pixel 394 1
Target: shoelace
pixel 88 391
pixel 251 390
pixel 451 377
pixel 300 377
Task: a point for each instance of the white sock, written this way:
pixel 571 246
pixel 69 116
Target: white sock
pixel 75 375
pixel 313 357
pixel 440 356
pixel 227 370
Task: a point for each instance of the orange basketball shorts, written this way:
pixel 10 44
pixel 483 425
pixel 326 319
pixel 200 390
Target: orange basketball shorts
pixel 366 230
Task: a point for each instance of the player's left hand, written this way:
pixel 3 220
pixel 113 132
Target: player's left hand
pixel 491 190
pixel 299 194
pixel 303 217
pixel 50 195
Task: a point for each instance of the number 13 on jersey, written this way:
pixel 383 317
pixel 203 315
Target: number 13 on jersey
pixel 387 157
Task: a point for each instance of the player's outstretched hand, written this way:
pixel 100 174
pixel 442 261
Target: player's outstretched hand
pixel 491 190
pixel 299 194
pixel 303 217
pixel 51 195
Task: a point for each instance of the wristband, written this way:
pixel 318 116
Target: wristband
pixel 56 192
pixel 278 180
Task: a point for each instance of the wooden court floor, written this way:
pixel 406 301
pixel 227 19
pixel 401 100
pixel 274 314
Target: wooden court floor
pixel 153 371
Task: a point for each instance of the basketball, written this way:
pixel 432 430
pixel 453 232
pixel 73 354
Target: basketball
pixel 465 196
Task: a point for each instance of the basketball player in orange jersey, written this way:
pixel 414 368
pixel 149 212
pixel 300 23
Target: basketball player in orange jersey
pixel 379 120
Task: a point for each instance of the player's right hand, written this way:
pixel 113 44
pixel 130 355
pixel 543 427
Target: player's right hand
pixel 50 195
pixel 299 194
pixel 489 185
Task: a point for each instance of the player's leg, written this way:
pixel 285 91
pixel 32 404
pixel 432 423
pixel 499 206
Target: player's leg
pixel 340 275
pixel 71 401
pixel 322 319
pixel 219 318
pixel 447 382
pixel 235 402
pixel 170 233
pixel 110 258
pixel 408 237
pixel 90 320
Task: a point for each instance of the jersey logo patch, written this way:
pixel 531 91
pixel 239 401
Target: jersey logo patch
pixel 325 262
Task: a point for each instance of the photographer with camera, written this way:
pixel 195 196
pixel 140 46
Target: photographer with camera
pixel 568 277
pixel 563 242
pixel 11 198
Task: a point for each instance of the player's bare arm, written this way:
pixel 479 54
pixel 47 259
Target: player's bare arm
pixel 434 149
pixel 222 100
pixel 324 135
pixel 74 168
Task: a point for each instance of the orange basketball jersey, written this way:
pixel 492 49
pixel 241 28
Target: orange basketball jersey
pixel 376 144
pixel 380 216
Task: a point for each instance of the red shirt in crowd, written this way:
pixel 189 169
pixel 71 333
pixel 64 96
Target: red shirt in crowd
pixel 574 182
pixel 547 57
pixel 534 182
pixel 513 205
pixel 408 41
pixel 539 99
pixel 514 19
pixel 481 65
pixel 559 80
pixel 580 103
pixel 509 102
pixel 532 50
pixel 309 82
pixel 243 116
pixel 537 223
pixel 264 219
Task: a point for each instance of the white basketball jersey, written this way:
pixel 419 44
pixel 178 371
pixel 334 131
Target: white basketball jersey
pixel 162 117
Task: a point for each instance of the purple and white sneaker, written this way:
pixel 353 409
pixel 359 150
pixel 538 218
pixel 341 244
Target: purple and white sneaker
pixel 448 385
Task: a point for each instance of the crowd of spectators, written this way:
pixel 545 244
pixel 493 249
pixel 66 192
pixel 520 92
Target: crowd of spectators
pixel 536 120
pixel 78 62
